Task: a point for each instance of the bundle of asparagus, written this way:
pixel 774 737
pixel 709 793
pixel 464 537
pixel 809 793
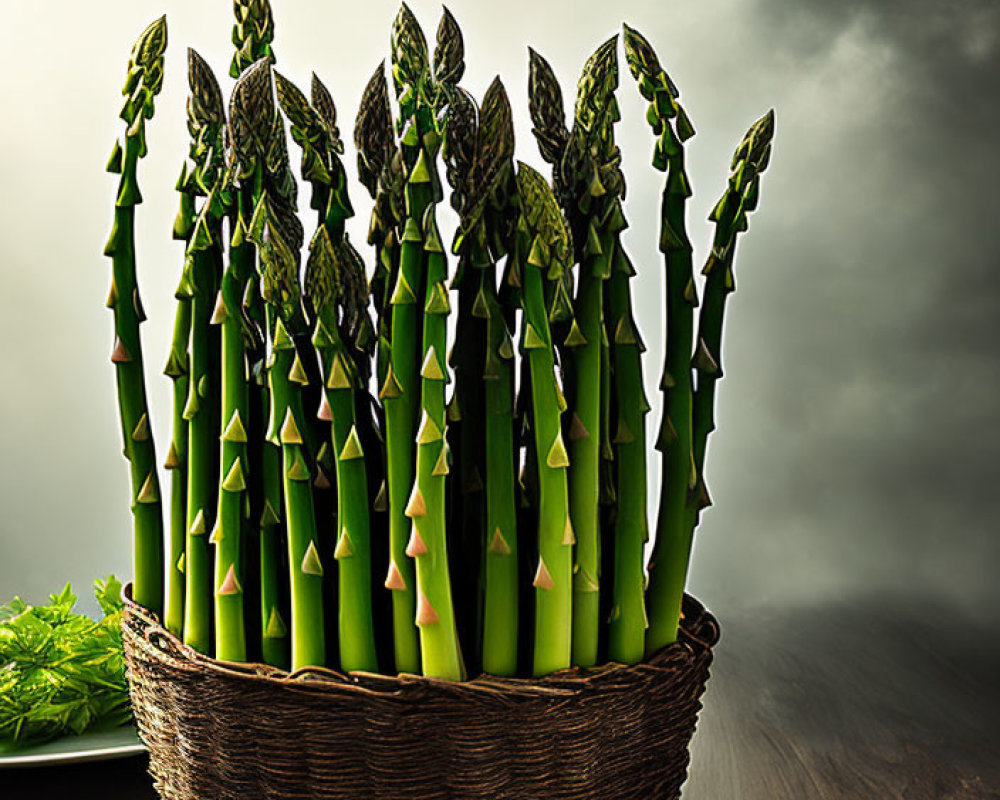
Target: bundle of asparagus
pixel 346 490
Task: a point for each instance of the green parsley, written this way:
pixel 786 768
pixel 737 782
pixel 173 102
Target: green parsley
pixel 61 672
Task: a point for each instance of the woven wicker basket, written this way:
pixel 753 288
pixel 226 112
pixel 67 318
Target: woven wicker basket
pixel 220 731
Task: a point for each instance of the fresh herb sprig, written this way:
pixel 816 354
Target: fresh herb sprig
pixel 61 672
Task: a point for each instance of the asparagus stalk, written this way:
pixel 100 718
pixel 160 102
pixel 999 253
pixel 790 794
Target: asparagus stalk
pixel 253 33
pixel 467 498
pixel 441 656
pixel 730 218
pixel 336 292
pixel 479 149
pixel 208 115
pixel 672 548
pixel 589 161
pixel 380 171
pixel 500 627
pixel 627 629
pixel 206 122
pixel 590 167
pixel 400 392
pixel 259 139
pixel 143 82
pixel 380 167
pixel 545 247
pixel 336 277
pixel 178 369
pixel 421 298
pixel 420 307
pixel 586 166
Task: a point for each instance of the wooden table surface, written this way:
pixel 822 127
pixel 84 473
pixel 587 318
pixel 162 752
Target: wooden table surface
pixel 859 702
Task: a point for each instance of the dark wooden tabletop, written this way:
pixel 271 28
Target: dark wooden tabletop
pixel 868 701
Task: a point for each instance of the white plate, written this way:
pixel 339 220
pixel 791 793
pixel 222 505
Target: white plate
pixel 93 746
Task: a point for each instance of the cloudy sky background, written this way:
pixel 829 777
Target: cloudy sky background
pixel 858 436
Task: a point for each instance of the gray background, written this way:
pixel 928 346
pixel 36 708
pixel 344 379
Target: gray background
pixel 854 469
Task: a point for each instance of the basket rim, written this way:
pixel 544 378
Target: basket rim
pixel 699 633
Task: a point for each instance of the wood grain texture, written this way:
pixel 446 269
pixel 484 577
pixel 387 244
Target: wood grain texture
pixel 858 701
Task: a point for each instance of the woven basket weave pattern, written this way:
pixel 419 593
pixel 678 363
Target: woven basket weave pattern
pixel 248 732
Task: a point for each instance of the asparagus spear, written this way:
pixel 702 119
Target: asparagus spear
pixel 336 280
pixel 336 292
pixel 439 647
pixel 545 249
pixel 203 271
pixel 143 82
pixel 253 33
pixel 380 167
pixel 380 170
pixel 730 218
pixel 466 496
pixel 207 113
pixel 590 182
pixel 627 629
pixel 672 548
pixel 479 149
pixel 178 369
pixel 258 137
pixel 420 308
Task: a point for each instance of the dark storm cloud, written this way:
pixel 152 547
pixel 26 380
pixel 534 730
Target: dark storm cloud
pixel 875 403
